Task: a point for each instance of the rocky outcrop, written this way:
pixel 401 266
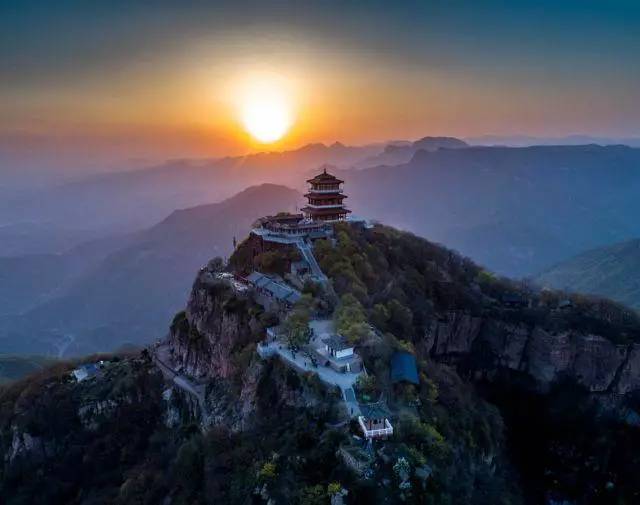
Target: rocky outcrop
pixel 591 360
pixel 23 444
pixel 217 323
pixel 213 343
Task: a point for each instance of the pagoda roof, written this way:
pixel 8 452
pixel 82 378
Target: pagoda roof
pixel 326 196
pixel 327 211
pixel 325 178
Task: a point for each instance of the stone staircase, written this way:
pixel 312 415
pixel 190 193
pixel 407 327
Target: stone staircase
pixel 307 254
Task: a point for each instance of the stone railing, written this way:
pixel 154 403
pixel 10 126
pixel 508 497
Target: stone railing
pixel 387 431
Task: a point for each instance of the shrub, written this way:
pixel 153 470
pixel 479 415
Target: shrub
pixel 268 472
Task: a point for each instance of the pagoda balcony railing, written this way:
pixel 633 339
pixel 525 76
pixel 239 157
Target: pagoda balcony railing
pixel 321 191
pixel 332 206
pixel 387 431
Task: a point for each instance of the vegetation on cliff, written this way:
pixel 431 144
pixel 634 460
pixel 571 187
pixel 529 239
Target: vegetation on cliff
pixel 404 282
pixel 565 444
pixel 262 431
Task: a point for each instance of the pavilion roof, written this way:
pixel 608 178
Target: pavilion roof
pixel 377 410
pixel 325 178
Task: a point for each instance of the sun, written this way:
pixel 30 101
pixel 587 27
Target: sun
pixel 266 110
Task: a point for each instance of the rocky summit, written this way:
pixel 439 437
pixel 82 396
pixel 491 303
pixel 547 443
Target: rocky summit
pixel 408 375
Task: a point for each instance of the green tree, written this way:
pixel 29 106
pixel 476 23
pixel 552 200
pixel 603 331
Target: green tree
pixel 351 319
pixel 268 472
pixel 297 326
pixel 189 463
pixel 367 384
pixel 314 495
pixel 400 319
pixel 333 488
pixel 380 316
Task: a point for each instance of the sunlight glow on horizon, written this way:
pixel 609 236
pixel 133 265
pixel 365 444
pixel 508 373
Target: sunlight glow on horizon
pixel 266 107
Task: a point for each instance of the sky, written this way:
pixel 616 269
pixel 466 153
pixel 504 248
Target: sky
pixel 153 79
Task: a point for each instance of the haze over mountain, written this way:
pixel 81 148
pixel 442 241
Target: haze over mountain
pixel 54 219
pixel 396 153
pixel 514 210
pixel 612 271
pixel 129 294
pixel 566 140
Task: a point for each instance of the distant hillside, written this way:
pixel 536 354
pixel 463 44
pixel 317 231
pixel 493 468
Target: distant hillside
pixel 29 280
pixel 16 367
pixel 612 271
pixel 515 210
pixel 397 153
pixel 130 294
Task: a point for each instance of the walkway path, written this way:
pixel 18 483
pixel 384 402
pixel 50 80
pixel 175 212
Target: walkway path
pixel 160 355
pixel 353 406
pixel 301 362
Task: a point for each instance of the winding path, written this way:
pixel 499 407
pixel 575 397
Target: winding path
pixel 180 380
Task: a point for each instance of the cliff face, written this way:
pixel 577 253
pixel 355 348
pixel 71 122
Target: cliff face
pixel 212 343
pixel 219 321
pixel 591 360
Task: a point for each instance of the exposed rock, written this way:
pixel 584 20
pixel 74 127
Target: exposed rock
pixel 90 412
pixel 591 360
pixel 23 444
pixel 216 322
pixel 454 335
pixel 214 341
pixel 629 378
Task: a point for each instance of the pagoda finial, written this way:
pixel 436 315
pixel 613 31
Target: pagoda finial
pixel 325 170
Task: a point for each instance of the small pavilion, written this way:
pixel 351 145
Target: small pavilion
pixel 374 420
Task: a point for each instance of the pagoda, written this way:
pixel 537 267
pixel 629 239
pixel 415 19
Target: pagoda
pixel 325 199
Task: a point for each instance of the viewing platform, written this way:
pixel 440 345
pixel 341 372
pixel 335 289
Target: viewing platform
pixel 291 227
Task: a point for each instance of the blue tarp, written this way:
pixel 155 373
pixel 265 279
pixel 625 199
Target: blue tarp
pixel 404 368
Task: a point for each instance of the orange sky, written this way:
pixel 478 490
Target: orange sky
pixel 166 82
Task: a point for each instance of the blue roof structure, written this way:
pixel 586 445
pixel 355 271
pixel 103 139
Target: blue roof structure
pixel 404 368
pixel 91 368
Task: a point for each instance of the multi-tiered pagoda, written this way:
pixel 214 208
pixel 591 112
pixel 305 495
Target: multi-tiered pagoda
pixel 325 199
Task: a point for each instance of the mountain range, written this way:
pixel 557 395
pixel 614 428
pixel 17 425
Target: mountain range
pixel 122 202
pixel 517 211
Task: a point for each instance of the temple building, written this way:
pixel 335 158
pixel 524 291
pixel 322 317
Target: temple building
pixel 324 208
pixel 338 354
pixel 325 199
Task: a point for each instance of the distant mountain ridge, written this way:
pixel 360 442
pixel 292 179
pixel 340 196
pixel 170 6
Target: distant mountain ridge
pixel 612 271
pixel 396 153
pixel 531 140
pixel 128 201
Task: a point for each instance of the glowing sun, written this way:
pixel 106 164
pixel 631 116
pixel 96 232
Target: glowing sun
pixel 266 111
